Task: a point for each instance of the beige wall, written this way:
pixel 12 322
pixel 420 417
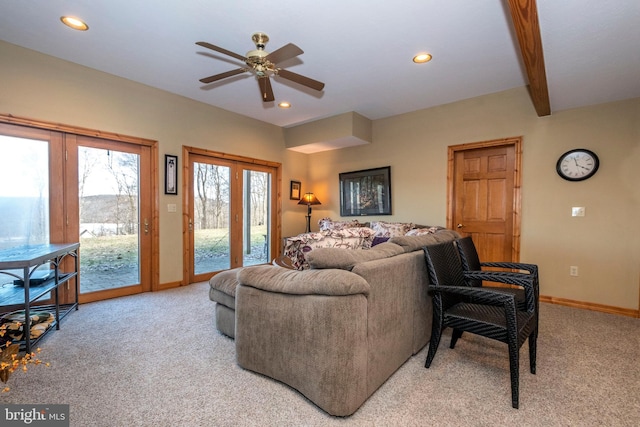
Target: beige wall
pixel 604 244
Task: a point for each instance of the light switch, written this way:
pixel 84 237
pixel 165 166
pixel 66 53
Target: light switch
pixel 171 207
pixel 578 211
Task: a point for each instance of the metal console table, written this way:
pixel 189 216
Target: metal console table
pixel 22 293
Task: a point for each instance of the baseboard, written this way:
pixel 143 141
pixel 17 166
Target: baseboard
pixel 591 306
pixel 170 285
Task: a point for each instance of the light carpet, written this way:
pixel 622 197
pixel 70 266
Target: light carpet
pixel 156 359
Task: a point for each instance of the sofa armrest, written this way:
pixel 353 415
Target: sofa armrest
pixel 303 282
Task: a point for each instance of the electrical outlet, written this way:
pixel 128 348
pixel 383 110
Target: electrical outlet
pixel 578 211
pixel 573 270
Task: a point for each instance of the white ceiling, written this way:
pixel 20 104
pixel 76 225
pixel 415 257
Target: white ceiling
pixel 361 50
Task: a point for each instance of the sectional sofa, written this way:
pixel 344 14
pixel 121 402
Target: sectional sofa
pixel 337 330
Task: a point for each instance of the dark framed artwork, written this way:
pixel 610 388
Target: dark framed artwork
pixel 170 174
pixel 366 192
pixel 294 190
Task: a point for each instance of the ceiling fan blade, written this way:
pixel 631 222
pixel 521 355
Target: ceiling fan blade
pixel 266 93
pixel 285 52
pixel 221 50
pixel 221 76
pixel 305 81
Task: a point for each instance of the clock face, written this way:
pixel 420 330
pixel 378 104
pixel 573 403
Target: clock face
pixel 577 165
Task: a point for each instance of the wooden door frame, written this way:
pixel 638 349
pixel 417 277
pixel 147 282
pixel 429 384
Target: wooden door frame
pixel 276 201
pixel 516 142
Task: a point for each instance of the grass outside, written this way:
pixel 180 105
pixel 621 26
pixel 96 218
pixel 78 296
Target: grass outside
pixel 116 252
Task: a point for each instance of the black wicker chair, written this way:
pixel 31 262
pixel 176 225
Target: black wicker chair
pixel 489 312
pixel 471 262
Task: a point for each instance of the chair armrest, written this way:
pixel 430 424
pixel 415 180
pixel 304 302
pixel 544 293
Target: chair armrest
pixel 531 268
pixel 518 279
pixel 527 281
pixel 487 296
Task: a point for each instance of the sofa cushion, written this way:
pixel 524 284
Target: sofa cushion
pixel 414 243
pixel 345 260
pixel 298 247
pixel 223 287
pixel 308 282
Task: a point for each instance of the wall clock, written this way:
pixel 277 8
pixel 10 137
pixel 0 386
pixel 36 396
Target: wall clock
pixel 578 164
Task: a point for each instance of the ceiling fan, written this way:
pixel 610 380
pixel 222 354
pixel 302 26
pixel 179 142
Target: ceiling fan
pixel 264 65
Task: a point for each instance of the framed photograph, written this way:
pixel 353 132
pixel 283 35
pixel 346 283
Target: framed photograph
pixel 294 191
pixel 366 192
pixel 170 174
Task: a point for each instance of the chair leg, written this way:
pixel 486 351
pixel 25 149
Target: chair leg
pixel 514 368
pixel 532 351
pixel 436 333
pixel 457 333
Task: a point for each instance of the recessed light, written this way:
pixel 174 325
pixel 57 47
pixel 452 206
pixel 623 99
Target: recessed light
pixel 75 23
pixel 422 58
pixel 284 104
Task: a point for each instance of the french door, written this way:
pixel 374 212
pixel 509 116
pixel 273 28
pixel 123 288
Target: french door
pixel 110 199
pixel 67 187
pixel 229 206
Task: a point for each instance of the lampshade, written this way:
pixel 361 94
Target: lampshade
pixel 309 199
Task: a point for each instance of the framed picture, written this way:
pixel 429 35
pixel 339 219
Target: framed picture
pixel 170 174
pixel 294 191
pixel 366 192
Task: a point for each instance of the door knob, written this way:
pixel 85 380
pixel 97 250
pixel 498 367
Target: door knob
pixel 460 225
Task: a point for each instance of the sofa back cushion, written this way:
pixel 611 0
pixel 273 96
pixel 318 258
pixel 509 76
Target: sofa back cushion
pixel 309 282
pixel 414 243
pixel 324 258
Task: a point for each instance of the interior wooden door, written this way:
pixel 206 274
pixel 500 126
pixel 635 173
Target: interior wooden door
pixel 484 196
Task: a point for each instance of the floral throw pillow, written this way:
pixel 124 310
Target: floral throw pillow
pixel 422 231
pixel 391 229
pixel 328 224
pixel 297 247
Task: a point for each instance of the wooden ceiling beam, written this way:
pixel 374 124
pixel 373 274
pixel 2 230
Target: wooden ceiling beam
pixel 524 15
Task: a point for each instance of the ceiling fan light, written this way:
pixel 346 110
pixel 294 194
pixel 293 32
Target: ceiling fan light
pixel 284 104
pixel 422 58
pixel 75 23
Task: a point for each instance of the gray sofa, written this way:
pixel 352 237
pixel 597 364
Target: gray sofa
pixel 337 331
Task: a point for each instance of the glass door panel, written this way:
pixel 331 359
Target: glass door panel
pixel 211 214
pixel 108 190
pixel 256 217
pixel 24 195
